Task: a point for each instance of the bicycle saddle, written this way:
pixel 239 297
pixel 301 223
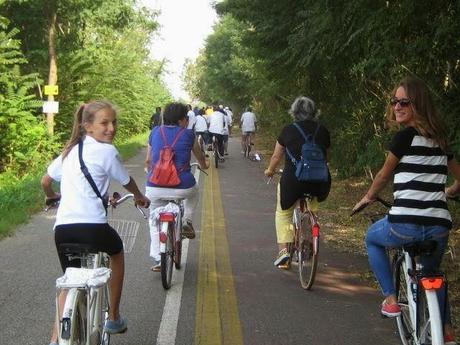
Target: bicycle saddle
pixel 77 248
pixel 426 247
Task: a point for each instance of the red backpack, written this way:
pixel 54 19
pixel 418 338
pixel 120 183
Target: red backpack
pixel 164 173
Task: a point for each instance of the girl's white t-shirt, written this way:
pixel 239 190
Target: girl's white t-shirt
pixel 79 203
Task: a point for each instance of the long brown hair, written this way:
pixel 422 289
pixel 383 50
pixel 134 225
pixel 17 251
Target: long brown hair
pixel 427 120
pixel 84 114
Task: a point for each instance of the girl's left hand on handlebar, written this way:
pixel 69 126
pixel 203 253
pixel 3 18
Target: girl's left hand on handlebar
pixel 269 173
pixel 142 202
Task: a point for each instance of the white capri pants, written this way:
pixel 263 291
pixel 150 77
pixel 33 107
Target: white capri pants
pixel 156 194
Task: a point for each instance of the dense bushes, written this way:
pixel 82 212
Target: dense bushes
pixel 346 55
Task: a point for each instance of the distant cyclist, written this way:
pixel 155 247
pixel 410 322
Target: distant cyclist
pixel 155 119
pixel 418 163
pixel 191 117
pixel 82 215
pixel 201 126
pixel 229 113
pixel 217 125
pixel 248 125
pixel 175 120
pixel 290 190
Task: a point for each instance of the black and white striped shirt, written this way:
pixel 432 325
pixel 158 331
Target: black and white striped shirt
pixel 419 180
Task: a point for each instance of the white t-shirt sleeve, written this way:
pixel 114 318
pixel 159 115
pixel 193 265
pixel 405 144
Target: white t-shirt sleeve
pixel 115 168
pixel 55 169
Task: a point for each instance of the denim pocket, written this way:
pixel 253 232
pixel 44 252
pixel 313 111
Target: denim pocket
pixel 402 236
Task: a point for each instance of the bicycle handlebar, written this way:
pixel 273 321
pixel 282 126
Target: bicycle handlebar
pixel 363 206
pixel 118 199
pixel 198 167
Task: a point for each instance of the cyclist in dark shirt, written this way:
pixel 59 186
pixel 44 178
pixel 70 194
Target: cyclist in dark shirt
pixel 155 120
pixel 290 190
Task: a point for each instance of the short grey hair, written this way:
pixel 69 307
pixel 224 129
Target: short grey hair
pixel 303 108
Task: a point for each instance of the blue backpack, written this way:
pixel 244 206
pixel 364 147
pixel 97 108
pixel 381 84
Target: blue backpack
pixel 312 166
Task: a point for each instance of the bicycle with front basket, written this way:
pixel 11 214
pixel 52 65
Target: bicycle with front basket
pixel 420 322
pixel 87 306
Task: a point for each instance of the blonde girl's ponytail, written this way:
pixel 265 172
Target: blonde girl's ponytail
pixel 77 131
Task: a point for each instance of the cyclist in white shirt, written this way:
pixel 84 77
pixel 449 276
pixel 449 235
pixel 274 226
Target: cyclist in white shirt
pixel 191 117
pixel 217 126
pixel 248 125
pixel 81 216
pixel 229 112
pixel 201 126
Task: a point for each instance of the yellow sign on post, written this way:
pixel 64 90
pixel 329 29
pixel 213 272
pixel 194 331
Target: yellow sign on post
pixel 51 90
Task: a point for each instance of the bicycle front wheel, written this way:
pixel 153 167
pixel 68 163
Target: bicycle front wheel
pixel 167 258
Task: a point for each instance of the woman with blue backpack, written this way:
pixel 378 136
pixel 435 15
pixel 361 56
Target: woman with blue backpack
pixel 303 144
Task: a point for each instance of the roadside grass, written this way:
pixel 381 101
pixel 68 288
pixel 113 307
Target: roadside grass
pixel 20 199
pixel 346 234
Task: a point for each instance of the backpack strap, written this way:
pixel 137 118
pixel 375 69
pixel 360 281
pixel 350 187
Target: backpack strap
pixel 88 176
pixel 306 138
pixel 176 138
pixel 303 133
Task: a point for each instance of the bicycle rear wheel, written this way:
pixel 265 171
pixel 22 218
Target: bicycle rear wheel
pixel 167 258
pixel 178 251
pixel 307 255
pixel 74 329
pixel 430 329
pixel 404 321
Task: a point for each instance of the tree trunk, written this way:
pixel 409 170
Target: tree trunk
pixel 52 77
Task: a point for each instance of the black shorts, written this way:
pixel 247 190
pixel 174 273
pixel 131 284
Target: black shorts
pixel 101 236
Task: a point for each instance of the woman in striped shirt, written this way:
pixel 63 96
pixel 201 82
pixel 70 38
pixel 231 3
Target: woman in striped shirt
pixel 419 163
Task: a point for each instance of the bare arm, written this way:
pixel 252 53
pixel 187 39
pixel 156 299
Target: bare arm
pixel 147 161
pixel 380 181
pixel 454 168
pixel 47 185
pixel 139 198
pixel 275 160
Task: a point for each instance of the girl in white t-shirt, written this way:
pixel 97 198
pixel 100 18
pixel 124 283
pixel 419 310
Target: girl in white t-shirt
pixel 81 216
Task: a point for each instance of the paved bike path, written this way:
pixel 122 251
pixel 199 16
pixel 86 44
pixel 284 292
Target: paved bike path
pixel 273 308
pixel 269 305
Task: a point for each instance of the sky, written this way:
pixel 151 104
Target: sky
pixel 184 26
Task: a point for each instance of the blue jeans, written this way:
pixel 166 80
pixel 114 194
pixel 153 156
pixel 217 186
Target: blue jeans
pixel 383 234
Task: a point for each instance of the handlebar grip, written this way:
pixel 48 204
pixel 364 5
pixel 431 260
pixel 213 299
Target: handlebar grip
pixel 359 209
pixel 52 201
pixel 384 202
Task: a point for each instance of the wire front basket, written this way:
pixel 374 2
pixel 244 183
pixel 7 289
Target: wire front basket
pixel 127 230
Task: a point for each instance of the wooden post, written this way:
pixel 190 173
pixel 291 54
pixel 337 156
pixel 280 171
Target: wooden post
pixel 52 77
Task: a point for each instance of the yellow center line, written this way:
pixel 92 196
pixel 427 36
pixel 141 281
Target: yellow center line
pixel 217 317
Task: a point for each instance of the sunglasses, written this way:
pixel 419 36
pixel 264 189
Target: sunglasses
pixel 403 102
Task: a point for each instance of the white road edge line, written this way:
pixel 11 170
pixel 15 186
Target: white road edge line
pixel 170 317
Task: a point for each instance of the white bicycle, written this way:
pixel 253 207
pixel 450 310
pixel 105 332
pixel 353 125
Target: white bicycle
pixel 170 233
pixel 420 322
pixel 87 304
